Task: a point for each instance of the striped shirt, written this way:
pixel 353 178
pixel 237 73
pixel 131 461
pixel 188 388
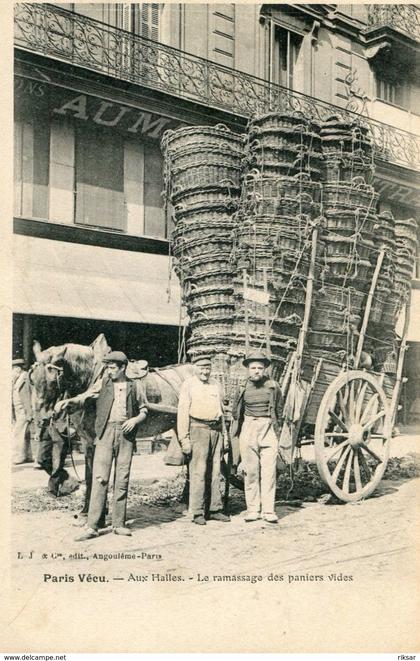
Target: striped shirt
pixel 257 399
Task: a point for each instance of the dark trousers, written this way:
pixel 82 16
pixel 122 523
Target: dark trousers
pixel 112 446
pixel 53 449
pixel 206 443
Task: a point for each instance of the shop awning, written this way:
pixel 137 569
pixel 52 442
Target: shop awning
pixel 62 279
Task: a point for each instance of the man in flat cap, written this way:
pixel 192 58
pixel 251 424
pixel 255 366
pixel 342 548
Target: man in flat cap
pixel 202 434
pixel 257 413
pixel 120 408
pixel 24 441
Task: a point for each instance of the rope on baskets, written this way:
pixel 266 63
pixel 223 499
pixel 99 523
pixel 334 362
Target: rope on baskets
pixel 285 292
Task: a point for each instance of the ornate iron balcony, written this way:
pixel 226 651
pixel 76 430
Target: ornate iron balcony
pixel 81 41
pixel 402 18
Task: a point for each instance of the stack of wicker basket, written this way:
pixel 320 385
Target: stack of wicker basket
pixel 399 238
pixel 406 250
pixel 203 170
pixel 271 251
pixel 347 150
pixel 243 222
pixel 282 145
pixel 349 203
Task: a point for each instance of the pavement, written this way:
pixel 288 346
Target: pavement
pixel 150 468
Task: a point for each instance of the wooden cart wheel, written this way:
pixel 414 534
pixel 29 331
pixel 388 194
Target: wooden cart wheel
pixel 352 435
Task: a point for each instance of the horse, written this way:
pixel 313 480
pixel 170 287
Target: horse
pixel 64 371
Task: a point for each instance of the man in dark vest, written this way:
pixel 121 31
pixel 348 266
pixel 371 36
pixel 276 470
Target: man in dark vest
pixel 120 408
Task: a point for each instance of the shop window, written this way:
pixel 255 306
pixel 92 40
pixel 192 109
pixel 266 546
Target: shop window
pixel 100 179
pixel 31 168
pixel 286 57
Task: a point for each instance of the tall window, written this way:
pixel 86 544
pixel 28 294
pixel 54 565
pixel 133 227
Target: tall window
pixel 145 19
pixel 286 51
pixel 31 168
pixel 391 89
pixel 100 178
pixel 140 18
pixel 154 217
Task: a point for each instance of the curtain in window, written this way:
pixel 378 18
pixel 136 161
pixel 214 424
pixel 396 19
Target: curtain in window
pixel 154 216
pixel 100 179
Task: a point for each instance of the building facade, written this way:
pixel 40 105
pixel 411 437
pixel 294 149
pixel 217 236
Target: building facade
pixel 96 86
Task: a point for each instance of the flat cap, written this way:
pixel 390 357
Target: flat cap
pixel 18 361
pixel 115 357
pixel 201 360
pixel 255 356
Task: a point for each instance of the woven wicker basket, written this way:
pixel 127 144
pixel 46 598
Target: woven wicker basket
pixel 276 139
pixel 406 229
pixel 340 266
pixel 328 340
pixel 205 297
pixel 328 320
pixel 199 245
pixel 200 267
pixel 345 225
pixel 201 136
pixel 214 313
pixel 274 119
pixel 343 246
pixel 189 229
pixel 346 298
pixel 347 196
pixel 212 175
pixel 267 187
pixel 199 194
pixel 217 278
pixel 198 157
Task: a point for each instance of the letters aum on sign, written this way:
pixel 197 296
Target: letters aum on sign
pixel 105 113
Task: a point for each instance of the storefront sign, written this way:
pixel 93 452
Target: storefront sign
pixel 37 97
pixel 105 113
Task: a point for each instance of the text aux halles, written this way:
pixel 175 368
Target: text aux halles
pixel 166 577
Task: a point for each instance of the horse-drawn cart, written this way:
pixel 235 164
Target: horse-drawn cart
pixel 278 243
pixel 345 411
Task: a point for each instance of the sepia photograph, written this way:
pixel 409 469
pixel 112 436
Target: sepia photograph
pixel 214 377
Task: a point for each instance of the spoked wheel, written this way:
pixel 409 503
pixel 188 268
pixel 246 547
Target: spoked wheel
pixel 352 435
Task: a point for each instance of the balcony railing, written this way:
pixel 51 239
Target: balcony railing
pixel 402 18
pixel 81 41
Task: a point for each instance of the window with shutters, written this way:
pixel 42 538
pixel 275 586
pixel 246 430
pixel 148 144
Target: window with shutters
pixel 145 19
